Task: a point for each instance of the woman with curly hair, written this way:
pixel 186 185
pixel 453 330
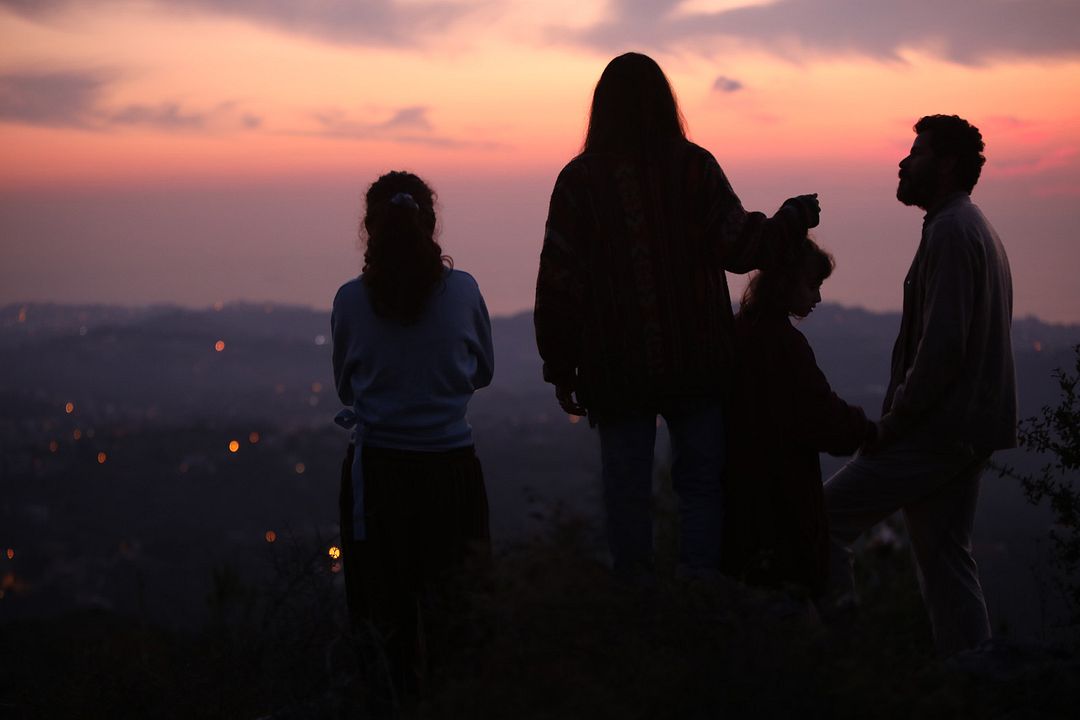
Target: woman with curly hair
pixel 411 343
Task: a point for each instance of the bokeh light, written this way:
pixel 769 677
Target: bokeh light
pixel 234 446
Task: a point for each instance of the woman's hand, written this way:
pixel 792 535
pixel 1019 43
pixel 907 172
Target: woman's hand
pixel 565 395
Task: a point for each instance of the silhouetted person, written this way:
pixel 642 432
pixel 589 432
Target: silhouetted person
pixel 412 341
pixel 633 316
pixel 783 414
pixel 951 399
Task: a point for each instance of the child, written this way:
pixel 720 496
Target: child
pixel 783 414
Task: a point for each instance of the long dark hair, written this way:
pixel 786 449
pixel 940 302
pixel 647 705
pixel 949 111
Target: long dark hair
pixel 633 107
pixel 770 288
pixel 402 261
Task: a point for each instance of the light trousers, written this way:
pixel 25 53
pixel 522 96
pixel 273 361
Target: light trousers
pixel 937 490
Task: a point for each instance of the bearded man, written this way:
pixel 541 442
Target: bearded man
pixel 951 399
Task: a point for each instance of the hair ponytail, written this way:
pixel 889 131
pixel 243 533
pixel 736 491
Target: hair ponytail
pixel 402 261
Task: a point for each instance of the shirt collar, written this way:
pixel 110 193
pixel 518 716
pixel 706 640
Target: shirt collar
pixel 947 201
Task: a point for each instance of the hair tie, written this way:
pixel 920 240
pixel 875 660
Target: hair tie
pixel 404 199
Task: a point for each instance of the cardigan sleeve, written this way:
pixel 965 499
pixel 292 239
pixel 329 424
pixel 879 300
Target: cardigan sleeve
pixel 746 240
pixel 560 285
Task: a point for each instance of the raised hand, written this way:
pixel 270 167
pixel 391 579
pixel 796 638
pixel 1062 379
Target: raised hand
pixel 808 206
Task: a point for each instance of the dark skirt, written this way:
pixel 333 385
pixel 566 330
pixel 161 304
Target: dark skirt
pixel 426 516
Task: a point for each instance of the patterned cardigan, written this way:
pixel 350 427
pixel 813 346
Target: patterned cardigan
pixel 632 306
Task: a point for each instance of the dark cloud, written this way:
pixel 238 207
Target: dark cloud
pixel 73 99
pixel 348 22
pixel 969 32
pixel 54 99
pixel 166 116
pixel 409 125
pixel 725 84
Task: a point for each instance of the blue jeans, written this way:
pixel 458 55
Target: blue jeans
pixel 697 469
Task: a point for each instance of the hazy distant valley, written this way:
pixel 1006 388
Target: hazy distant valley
pixel 127 498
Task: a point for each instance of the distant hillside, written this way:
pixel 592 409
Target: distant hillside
pixel 138 475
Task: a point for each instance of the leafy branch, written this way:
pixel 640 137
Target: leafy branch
pixel 1056 432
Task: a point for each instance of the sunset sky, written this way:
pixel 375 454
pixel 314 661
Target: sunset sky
pixel 195 151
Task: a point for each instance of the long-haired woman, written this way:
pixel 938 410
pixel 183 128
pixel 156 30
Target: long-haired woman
pixel 633 316
pixel 411 343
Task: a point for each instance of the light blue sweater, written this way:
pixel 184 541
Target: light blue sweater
pixel 409 385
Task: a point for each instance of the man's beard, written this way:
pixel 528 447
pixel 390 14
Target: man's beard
pixel 915 192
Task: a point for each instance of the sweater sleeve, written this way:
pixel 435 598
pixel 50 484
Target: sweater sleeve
pixel 482 346
pixel 559 282
pixel 746 240
pixel 951 267
pixel 819 417
pixel 343 364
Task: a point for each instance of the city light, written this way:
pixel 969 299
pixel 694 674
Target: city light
pixel 10 553
pixel 270 536
pixel 300 468
pixel 253 437
pixel 1038 346
pixel 234 446
pixel 69 408
pixel 316 387
pixel 334 552
pixel 101 458
pixel 77 434
pixel 53 446
pixel 219 346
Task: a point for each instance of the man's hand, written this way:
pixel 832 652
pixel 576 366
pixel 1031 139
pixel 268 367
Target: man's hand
pixel 565 396
pixel 872 441
pixel 808 206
